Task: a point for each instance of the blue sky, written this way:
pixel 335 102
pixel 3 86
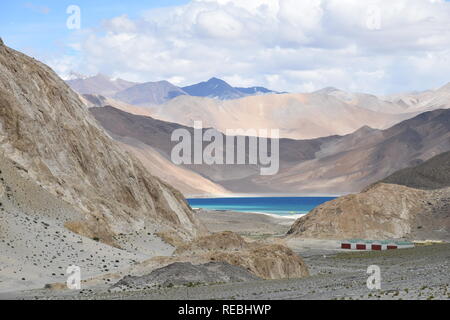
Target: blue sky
pixel 375 46
pixel 38 27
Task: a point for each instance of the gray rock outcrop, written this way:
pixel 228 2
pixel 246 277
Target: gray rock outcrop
pixel 187 274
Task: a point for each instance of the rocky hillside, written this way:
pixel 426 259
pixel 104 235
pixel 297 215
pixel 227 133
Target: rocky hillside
pixel 37 247
pixel 388 210
pixel 50 134
pixel 433 174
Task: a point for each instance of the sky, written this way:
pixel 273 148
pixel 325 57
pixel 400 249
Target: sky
pixel 374 46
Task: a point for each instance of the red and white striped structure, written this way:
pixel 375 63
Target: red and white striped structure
pixel 375 245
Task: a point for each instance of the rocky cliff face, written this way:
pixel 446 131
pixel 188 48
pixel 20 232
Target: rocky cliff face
pixel 49 133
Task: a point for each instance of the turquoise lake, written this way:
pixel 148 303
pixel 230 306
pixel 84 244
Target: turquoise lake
pixel 280 206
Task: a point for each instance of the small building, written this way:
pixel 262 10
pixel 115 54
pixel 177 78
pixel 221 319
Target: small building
pixel 375 245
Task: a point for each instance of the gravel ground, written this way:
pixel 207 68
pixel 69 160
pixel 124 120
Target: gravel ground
pixel 418 273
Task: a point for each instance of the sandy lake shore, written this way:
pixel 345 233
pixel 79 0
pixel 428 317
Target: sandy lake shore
pixel 245 224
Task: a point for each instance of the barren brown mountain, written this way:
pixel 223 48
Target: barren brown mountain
pixel 136 130
pixel 330 165
pixel 351 162
pixel 297 116
pixel 189 182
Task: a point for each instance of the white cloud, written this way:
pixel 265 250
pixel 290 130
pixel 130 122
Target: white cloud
pixel 64 65
pixel 120 24
pixel 289 45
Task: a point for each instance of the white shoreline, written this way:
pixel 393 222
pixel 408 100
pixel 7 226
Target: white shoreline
pixel 272 215
pixel 261 195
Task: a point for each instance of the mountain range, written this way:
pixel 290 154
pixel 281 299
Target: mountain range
pixel 156 93
pixel 219 89
pixel 328 165
pixel 99 84
pixel 331 141
pixel 297 116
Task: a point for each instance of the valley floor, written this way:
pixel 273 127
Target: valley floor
pixel 418 273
